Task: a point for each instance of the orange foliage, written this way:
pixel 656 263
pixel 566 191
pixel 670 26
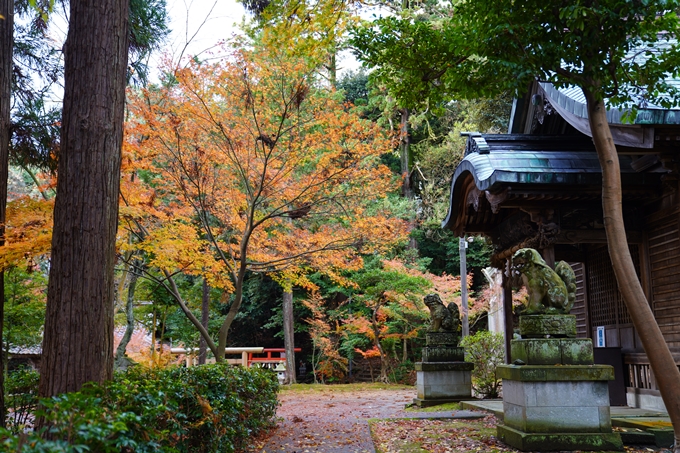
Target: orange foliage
pixel 257 157
pixel 249 165
pixel 368 354
pixel 327 362
pixel 447 286
pixel 28 232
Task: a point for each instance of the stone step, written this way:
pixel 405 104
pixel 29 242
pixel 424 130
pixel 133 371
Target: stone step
pixel 634 436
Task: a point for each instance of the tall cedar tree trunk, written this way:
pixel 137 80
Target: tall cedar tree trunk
pixel 660 359
pixel 205 318
pixel 6 45
pixel 78 339
pixel 288 336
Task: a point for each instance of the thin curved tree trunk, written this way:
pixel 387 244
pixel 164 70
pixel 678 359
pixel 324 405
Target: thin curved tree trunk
pixel 404 150
pixel 660 358
pixel 174 292
pixel 288 336
pixel 205 319
pixel 6 48
pixel 376 341
pixel 129 315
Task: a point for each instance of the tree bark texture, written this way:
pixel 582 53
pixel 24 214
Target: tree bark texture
pixel 289 336
pixel 78 339
pixel 660 358
pixel 205 318
pixel 6 48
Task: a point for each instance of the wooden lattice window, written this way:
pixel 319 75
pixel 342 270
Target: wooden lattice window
pixel 606 304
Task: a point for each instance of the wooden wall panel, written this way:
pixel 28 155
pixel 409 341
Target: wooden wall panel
pixel 663 240
pixel 580 308
pixel 605 304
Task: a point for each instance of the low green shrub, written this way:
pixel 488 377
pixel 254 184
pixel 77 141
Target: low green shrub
pixel 486 350
pixel 21 398
pixel 211 408
pixel 403 373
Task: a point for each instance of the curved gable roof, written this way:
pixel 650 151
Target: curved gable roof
pixel 494 163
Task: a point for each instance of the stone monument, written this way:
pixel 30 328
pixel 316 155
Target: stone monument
pixel 554 397
pixel 442 376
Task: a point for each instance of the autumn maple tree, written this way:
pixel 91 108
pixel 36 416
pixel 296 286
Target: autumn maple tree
pixel 386 310
pixel 249 165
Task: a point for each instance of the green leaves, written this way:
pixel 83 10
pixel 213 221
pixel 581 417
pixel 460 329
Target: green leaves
pixel 486 350
pixel 212 408
pixel 421 62
pixel 602 47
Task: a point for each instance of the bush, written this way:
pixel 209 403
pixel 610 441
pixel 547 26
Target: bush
pixel 21 390
pixel 486 350
pixel 209 408
pixel 403 373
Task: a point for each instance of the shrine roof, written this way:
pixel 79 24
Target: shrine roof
pixel 25 350
pixel 573 101
pixel 517 161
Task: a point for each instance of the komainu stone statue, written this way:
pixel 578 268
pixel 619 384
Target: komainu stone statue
pixel 550 291
pixel 443 318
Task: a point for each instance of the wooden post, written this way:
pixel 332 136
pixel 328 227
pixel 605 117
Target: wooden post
pixel 507 310
pixel 244 359
pixel 462 245
pixel 548 254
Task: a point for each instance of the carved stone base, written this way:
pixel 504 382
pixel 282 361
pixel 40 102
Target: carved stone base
pixel 441 338
pixel 552 351
pixel 443 353
pixel 439 383
pixel 559 441
pixel 538 326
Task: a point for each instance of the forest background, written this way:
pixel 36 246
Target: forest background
pixel 352 252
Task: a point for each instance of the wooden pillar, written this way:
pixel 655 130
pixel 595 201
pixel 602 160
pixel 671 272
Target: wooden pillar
pixel 548 255
pixel 507 310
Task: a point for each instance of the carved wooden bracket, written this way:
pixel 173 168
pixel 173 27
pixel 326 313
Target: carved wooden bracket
pixel 495 200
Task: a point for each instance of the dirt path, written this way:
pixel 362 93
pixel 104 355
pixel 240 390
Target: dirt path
pixel 331 420
pixel 334 419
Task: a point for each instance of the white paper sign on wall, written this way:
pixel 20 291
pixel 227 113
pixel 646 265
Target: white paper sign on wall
pixel 600 341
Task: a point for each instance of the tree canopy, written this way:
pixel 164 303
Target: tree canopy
pixel 249 166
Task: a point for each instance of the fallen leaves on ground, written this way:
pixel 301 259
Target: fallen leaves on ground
pixel 448 436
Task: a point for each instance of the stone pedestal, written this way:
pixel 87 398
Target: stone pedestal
pixel 442 382
pixel 538 326
pixel 556 399
pixel 442 376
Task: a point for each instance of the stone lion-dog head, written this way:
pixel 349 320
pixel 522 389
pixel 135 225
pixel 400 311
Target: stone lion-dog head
pixel 550 291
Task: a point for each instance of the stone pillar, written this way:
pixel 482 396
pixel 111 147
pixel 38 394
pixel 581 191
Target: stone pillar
pixel 442 376
pixel 554 397
pixel 496 309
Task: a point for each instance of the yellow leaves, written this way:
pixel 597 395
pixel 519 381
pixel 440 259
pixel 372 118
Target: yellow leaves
pixel 28 232
pixel 309 29
pixel 249 162
pixel 177 246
